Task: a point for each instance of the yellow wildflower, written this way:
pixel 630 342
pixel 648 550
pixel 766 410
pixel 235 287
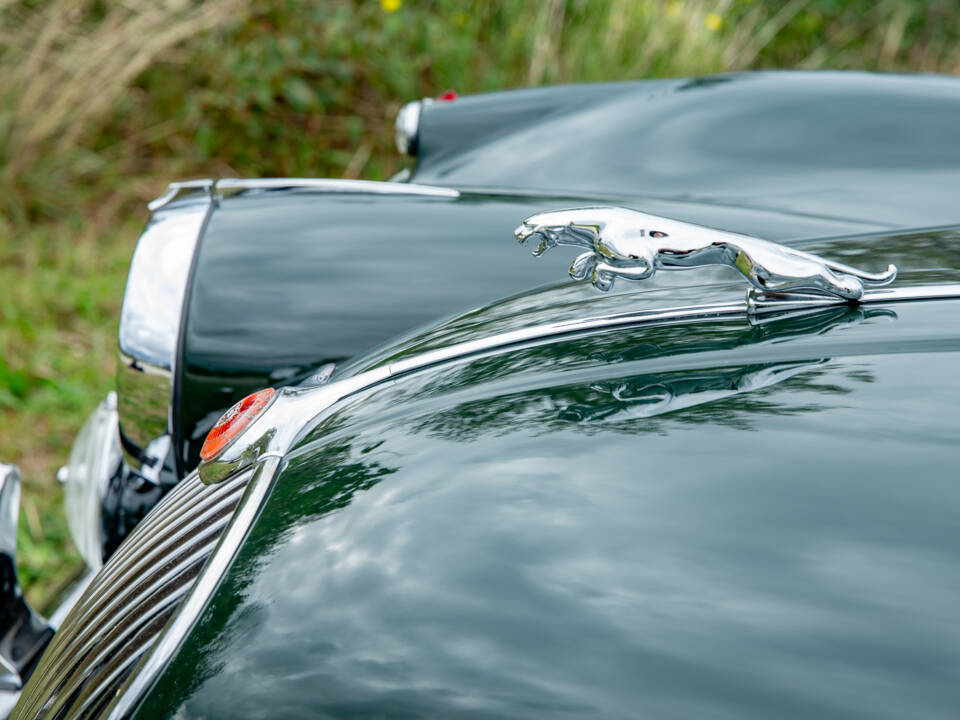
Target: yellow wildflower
pixel 713 21
pixel 390 5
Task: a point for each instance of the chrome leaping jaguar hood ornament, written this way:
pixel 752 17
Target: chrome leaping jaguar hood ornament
pixel 634 245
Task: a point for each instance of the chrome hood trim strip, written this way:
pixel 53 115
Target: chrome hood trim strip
pixel 232 186
pixel 227 187
pixel 274 432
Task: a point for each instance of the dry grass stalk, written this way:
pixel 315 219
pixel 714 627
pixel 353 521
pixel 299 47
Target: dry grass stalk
pixel 62 72
pixel 545 51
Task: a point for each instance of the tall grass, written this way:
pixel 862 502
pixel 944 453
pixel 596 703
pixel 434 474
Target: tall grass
pixel 103 101
pixel 64 65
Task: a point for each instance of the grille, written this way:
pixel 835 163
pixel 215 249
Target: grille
pixel 124 610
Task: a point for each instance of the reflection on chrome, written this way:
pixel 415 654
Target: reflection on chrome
pixel 24 633
pixel 634 245
pixel 157 288
pixel 150 316
pixel 234 186
pixel 408 128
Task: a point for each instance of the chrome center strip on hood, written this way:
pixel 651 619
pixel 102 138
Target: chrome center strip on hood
pixel 285 421
pixel 229 186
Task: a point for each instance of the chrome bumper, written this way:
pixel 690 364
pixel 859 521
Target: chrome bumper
pixel 23 633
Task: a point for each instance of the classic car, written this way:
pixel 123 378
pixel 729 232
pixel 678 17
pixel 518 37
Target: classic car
pixel 368 458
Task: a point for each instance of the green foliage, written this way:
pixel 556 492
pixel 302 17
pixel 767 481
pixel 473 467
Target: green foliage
pixel 59 309
pixel 101 104
pixel 291 87
pixel 304 88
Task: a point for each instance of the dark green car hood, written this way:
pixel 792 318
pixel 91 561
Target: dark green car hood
pixel 713 519
pixel 717 519
pixel 286 280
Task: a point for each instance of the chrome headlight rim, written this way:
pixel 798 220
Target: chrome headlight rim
pixel 95 457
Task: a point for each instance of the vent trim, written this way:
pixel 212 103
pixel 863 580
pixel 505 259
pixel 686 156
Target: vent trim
pixel 156 658
pixel 145 599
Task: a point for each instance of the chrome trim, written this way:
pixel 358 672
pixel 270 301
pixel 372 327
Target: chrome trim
pixel 189 611
pixel 287 418
pixel 123 611
pixel 70 598
pixel 276 429
pixel 212 520
pixel 228 187
pixel 763 303
pixel 157 281
pixel 282 423
pixel 152 307
pixel 623 243
pixel 9 508
pixel 407 127
pixel 713 311
pixel 94 459
pixel 26 633
pixel 178 189
pixel 156 291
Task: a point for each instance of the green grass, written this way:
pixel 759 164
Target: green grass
pixel 102 103
pixel 59 309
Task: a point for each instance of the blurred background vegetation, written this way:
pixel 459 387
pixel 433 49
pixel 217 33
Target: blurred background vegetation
pixel 103 102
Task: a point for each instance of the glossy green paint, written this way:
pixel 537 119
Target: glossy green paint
pixel 286 281
pixel 710 519
pixel 848 145
pixel 922 257
pixel 713 519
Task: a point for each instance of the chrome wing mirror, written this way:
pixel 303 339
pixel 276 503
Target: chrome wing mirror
pixel 622 243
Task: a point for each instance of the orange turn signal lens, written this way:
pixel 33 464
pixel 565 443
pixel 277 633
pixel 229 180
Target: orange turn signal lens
pixel 233 421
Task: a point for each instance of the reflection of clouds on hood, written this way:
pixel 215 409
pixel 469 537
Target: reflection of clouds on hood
pixel 693 372
pixel 792 572
pixel 150 321
pixel 649 403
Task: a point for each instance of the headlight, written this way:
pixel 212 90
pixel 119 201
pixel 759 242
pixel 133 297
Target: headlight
pixel 94 459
